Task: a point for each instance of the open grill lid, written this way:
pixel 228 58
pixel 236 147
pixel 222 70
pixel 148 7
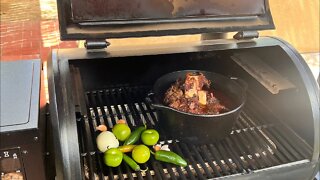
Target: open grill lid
pixel 102 19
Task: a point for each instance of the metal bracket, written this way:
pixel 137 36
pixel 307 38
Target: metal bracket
pixel 243 35
pixel 96 44
pixel 263 73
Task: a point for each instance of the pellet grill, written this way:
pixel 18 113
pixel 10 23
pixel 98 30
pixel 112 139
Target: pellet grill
pixel 276 135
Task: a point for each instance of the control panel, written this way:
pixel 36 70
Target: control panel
pixel 11 165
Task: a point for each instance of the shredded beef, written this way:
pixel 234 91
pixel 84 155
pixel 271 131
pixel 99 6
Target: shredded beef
pixel 193 95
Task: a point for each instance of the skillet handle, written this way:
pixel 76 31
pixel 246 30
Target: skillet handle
pixel 150 100
pixel 241 82
pixel 149 97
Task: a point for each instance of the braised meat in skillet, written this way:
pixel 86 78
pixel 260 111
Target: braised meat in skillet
pixel 193 95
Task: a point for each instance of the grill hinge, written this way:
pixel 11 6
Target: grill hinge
pixel 96 44
pixel 243 35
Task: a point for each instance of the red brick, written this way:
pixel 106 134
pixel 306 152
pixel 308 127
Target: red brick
pixel 29 51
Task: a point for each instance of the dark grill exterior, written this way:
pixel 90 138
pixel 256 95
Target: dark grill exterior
pixel 275 137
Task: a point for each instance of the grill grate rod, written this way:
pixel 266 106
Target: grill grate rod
pixel 255 143
pixel 271 151
pixel 210 161
pixel 278 142
pixel 259 149
pixel 234 157
pixel 256 138
pixel 92 126
pixel 289 135
pixel 188 169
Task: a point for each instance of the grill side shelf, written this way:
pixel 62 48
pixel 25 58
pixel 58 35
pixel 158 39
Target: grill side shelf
pixel 254 144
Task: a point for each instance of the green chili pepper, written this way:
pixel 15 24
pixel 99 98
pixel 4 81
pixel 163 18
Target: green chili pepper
pixel 131 162
pixel 170 157
pixel 135 135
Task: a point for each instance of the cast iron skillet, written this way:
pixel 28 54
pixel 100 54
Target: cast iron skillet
pixel 197 128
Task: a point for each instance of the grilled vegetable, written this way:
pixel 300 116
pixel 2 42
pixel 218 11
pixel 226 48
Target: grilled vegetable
pixel 131 162
pixel 135 135
pixel 113 157
pixel 141 153
pixel 170 157
pixel 102 128
pixel 157 147
pixel 121 131
pixel 106 140
pixel 150 137
pixel 126 148
pixel 121 121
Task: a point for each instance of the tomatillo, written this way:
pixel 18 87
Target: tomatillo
pixel 113 157
pixel 141 153
pixel 121 131
pixel 150 137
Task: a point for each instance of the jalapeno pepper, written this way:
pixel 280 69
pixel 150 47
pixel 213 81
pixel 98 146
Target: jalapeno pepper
pixel 131 162
pixel 170 157
pixel 126 148
pixel 135 135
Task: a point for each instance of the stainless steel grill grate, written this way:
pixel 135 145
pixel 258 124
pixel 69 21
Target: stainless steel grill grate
pixel 255 143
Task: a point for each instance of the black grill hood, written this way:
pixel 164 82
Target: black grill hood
pixel 102 19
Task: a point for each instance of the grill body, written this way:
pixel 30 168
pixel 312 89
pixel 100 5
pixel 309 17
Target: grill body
pixel 276 136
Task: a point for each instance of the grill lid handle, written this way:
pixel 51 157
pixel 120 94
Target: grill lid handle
pixel 245 35
pixel 96 44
